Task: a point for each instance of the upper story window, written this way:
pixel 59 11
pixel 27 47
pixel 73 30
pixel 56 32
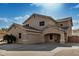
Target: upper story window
pixel 27 24
pixel 34 16
pixel 42 23
pixel 19 35
pixel 61 24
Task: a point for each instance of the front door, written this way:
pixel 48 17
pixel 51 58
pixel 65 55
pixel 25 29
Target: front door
pixel 57 38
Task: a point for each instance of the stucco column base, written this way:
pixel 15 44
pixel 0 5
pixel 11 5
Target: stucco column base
pixel 62 40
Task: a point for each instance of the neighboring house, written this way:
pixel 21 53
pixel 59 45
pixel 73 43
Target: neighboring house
pixel 42 29
pixel 75 32
pixel 75 36
pixel 2 33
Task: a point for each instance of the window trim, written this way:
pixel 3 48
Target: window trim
pixel 27 24
pixel 41 23
pixel 61 24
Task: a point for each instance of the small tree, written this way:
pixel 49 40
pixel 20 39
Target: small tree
pixel 9 38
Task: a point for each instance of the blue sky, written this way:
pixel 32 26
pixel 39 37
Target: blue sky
pixel 19 12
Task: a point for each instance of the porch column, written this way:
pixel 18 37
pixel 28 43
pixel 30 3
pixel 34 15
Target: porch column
pixel 43 38
pixel 62 40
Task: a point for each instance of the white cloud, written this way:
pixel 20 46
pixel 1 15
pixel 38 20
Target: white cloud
pixel 75 24
pixel 78 15
pixel 20 19
pixel 3 20
pixel 26 16
pixel 47 8
pixel 77 6
pixel 74 21
pixel 45 5
pixel 75 27
pixel 6 26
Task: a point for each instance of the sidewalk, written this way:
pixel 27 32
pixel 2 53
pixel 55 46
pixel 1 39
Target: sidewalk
pixel 25 53
pixel 64 51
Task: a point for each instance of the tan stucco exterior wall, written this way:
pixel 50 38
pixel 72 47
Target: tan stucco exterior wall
pixel 34 22
pixel 51 26
pixel 55 30
pixel 27 36
pixel 66 23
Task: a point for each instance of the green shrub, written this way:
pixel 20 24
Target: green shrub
pixel 9 38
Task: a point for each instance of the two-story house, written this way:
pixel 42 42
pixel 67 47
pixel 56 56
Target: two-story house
pixel 42 29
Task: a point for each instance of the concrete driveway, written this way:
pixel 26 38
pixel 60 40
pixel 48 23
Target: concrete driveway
pixel 30 50
pixel 32 47
pixel 46 49
pixel 49 49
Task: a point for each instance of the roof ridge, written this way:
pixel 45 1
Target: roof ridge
pixel 39 15
pixel 30 27
pixel 64 19
pixel 59 20
pixel 44 16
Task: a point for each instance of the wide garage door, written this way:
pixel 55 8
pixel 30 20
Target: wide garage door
pixel 32 38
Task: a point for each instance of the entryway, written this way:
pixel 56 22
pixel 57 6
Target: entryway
pixel 52 37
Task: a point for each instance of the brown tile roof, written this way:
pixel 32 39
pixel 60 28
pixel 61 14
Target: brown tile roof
pixel 40 16
pixel 26 27
pixel 64 19
pixel 12 26
pixel 29 27
pixel 59 20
